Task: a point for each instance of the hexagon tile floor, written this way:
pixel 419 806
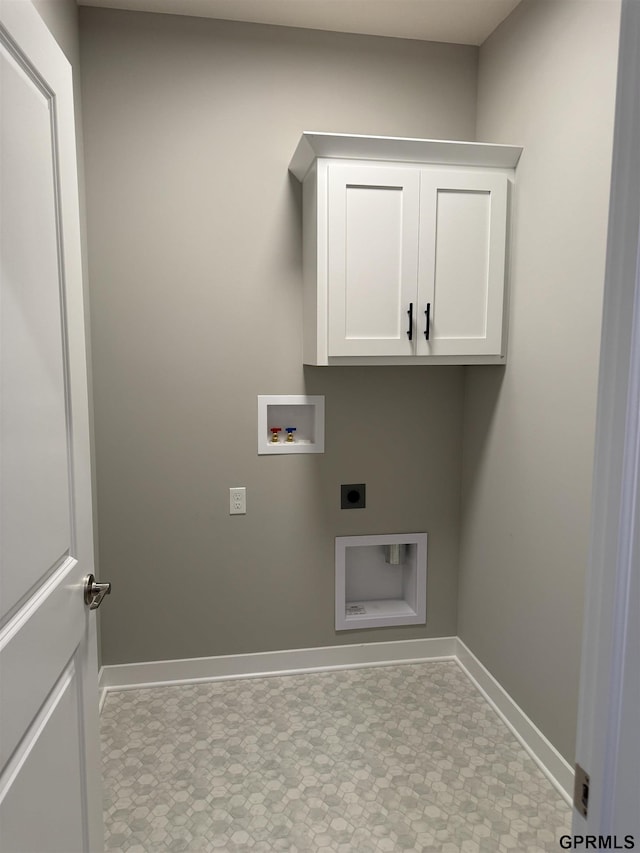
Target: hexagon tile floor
pixel 406 758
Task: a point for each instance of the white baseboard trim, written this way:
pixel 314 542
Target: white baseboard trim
pixel 262 664
pixel 102 692
pixel 553 765
pixel 297 661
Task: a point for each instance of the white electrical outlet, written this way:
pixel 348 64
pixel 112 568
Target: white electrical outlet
pixel 238 500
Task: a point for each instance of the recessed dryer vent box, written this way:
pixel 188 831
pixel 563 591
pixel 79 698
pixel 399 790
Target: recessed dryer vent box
pixel 381 580
pixel 303 414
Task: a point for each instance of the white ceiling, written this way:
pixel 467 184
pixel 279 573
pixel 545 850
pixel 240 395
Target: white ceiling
pixel 457 21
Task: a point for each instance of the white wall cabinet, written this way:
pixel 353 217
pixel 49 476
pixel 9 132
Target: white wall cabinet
pixel 404 254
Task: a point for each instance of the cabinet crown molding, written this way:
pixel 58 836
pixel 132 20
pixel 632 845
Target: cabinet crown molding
pixel 313 145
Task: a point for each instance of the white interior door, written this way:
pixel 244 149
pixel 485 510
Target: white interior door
pixel 608 742
pixel 50 797
pixel 372 259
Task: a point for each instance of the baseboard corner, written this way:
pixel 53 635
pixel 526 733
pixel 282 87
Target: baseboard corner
pixel 554 766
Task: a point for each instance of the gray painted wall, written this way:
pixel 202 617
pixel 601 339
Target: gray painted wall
pixel 546 81
pixel 195 269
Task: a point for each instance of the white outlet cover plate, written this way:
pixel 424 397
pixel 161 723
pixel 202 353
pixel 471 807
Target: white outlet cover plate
pixel 238 500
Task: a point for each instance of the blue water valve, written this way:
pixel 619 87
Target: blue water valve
pixel 290 431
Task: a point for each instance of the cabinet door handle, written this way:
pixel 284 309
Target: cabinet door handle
pixel 410 329
pixel 427 314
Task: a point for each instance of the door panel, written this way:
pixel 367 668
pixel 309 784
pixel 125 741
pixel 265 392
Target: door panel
pixel 460 288
pixel 372 258
pixel 35 459
pixel 30 667
pixel 50 793
pixel 34 815
pixel 462 262
pixel 373 262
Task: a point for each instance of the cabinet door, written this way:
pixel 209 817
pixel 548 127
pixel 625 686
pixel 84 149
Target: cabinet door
pixel 463 221
pixel 372 264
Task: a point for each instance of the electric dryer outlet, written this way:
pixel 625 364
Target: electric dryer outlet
pixel 353 496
